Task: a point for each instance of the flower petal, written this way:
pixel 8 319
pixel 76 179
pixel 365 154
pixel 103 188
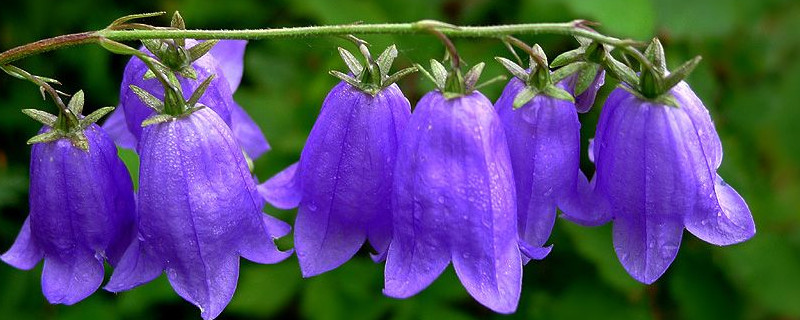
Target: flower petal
pixel 24 253
pixel 67 280
pixel 230 56
pixel 117 129
pixel 642 169
pixel 209 286
pixel 247 133
pixel 135 268
pixel 283 191
pixel 722 218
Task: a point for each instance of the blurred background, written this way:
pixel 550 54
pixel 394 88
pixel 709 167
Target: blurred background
pixel 749 79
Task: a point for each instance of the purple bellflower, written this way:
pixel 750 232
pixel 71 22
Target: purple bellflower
pixel 543 132
pixel 81 205
pixel 454 200
pixel 343 181
pixel 224 60
pixel 657 168
pixel 198 212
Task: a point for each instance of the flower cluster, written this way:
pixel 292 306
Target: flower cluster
pixel 459 180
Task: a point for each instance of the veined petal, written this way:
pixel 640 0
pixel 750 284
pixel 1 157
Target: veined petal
pixel 67 280
pixel 24 253
pixel 135 268
pixel 230 56
pixel 117 129
pixel 210 286
pixel 703 126
pixel 283 190
pixel 247 133
pixel 346 173
pixel 642 170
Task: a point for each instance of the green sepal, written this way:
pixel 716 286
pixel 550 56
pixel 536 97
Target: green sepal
pixel 95 116
pixel 586 77
pixel 352 63
pixel 558 93
pixel 188 72
pixel 200 50
pixel 565 71
pixel 346 78
pixel 155 46
pixel 148 99
pixel 513 68
pixel 48 136
pixel 490 82
pixel 201 89
pixel 680 73
pixel 400 74
pixel 76 102
pixel 439 74
pixel 666 99
pixel 386 59
pixel 178 23
pixel 472 76
pixel 116 47
pixel 42 117
pixel 655 54
pixel 568 57
pixel 120 22
pixel 524 96
pixel 158 118
pixel 620 71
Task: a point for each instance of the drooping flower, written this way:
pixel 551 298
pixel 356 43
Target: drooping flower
pixel 198 212
pixel 541 125
pixel 224 60
pixel 81 207
pixel 343 181
pixel 657 168
pixel 453 200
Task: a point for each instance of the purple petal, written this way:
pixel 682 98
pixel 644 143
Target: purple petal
pixel 198 208
pixel 585 206
pixel 585 100
pixel 701 119
pixel 258 247
pixel 454 199
pixel 723 218
pixel 283 190
pixel 533 252
pixel 642 170
pixel 346 172
pixel 117 129
pixel 247 133
pixel 67 280
pixel 230 56
pixel 24 253
pixel 544 142
pixel 135 268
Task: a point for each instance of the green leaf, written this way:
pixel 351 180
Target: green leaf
pixel 352 63
pixel 514 69
pixel 76 102
pixel 386 59
pixel 201 49
pixel 524 96
pixel 148 99
pixel 43 117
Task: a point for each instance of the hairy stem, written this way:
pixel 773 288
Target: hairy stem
pixel 574 28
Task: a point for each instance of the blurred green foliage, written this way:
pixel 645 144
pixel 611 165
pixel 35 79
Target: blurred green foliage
pixel 749 79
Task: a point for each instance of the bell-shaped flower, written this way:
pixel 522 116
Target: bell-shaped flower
pixel 224 60
pixel 541 124
pixel 454 200
pixel 198 212
pixel 81 205
pixel 657 168
pixel 343 181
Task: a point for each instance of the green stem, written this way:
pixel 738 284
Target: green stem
pixel 574 28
